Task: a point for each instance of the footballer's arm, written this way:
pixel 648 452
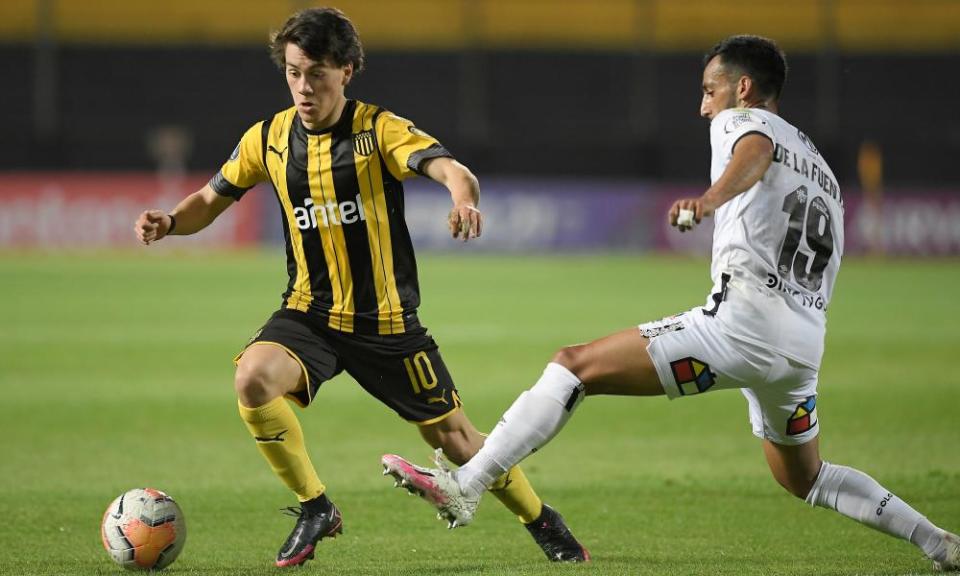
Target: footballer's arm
pixel 192 214
pixel 752 156
pixel 465 219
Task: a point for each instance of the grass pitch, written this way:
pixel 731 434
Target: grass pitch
pixel 116 372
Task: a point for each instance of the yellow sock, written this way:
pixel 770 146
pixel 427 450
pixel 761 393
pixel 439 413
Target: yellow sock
pixel 280 439
pixel 516 493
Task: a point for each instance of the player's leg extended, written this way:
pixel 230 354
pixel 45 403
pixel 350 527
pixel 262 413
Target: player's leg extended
pixel 460 440
pixel 856 495
pixel 616 364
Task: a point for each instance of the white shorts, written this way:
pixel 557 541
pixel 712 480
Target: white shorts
pixel 692 355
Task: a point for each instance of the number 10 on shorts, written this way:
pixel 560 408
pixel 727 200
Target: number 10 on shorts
pixel 420 371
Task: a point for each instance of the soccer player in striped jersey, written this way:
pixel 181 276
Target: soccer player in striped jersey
pixel 777 246
pixel 336 166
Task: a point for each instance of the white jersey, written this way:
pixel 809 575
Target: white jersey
pixel 777 246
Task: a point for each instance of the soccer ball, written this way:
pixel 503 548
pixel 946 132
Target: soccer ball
pixel 143 529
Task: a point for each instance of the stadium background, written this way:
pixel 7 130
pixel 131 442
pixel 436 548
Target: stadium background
pixel 581 120
pixel 594 103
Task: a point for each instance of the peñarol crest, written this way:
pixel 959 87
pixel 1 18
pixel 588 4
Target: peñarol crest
pixel 363 143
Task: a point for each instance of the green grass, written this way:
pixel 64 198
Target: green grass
pixel 116 372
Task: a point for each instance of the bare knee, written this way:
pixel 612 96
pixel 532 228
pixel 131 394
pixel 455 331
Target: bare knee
pixel 255 384
pixel 593 377
pixel 572 358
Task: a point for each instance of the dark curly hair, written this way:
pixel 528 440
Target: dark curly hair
pixel 758 57
pixel 322 33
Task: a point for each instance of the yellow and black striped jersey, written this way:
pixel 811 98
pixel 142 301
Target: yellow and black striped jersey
pixel 349 254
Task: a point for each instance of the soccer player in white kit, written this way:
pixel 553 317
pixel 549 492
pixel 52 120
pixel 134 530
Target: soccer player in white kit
pixel 777 247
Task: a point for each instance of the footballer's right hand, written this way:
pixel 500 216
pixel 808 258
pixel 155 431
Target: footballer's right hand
pixel 152 225
pixel 687 212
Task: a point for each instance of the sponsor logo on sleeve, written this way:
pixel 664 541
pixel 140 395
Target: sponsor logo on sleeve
pixel 414 130
pixel 738 120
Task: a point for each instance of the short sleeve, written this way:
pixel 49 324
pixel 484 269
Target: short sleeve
pixel 404 147
pixel 729 126
pixel 244 169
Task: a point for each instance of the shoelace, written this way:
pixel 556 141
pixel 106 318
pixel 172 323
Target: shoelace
pixel 440 460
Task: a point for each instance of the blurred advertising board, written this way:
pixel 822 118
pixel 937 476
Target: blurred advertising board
pixel 92 210
pixel 572 215
pixel 83 210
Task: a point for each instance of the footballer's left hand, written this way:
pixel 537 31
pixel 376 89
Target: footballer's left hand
pixel 465 222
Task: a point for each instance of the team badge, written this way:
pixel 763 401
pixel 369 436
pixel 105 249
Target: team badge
pixel 803 417
pixel 363 143
pixel 235 154
pixel 692 376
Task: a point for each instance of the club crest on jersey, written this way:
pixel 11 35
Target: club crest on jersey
pixel 235 154
pixel 804 417
pixel 692 376
pixel 363 143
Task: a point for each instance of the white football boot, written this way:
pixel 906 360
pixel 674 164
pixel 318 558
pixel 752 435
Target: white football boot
pixel 951 561
pixel 438 486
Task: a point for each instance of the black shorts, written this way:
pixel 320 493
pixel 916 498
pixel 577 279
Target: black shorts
pixel 404 371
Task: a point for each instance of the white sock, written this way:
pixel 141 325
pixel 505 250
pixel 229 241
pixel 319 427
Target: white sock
pixel 858 496
pixel 533 419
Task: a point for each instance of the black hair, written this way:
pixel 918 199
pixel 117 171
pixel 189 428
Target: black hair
pixel 758 57
pixel 322 33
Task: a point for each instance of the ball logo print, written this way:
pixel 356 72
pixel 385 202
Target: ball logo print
pixel 143 529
